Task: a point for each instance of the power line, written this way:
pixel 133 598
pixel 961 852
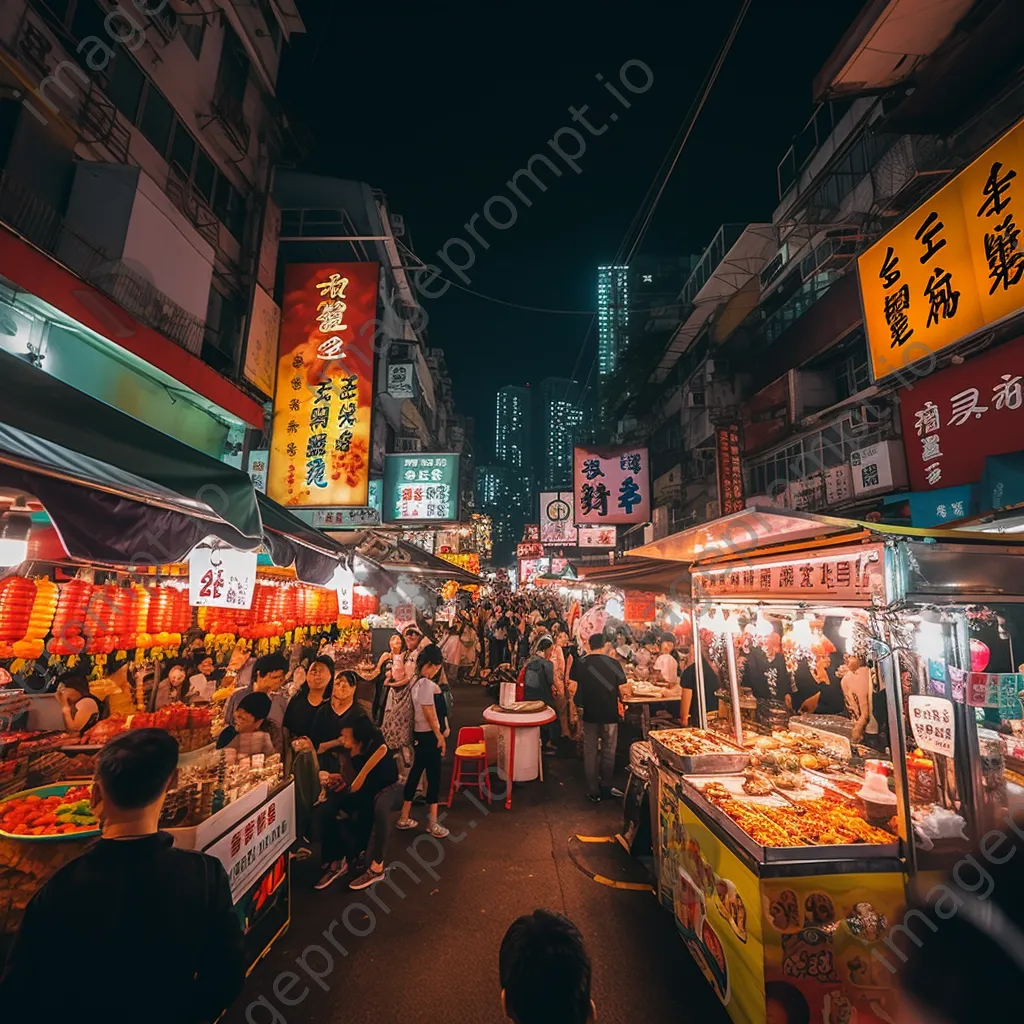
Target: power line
pixel 518 305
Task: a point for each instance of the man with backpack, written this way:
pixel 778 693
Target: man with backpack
pixel 538 679
pixel 601 683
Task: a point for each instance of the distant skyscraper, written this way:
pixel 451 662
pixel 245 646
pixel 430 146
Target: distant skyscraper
pixel 506 495
pixel 513 433
pixel 560 421
pixel 612 317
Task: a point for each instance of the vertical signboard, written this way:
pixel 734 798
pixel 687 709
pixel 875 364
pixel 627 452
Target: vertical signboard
pixel 730 469
pixel 611 486
pixel 262 341
pixel 320 441
pixel 557 524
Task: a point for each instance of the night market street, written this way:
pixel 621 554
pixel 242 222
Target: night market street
pixel 435 956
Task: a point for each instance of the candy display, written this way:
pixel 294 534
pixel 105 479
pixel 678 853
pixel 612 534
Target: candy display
pixel 36 814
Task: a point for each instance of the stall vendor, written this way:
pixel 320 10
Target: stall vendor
pixel 689 709
pixel 666 665
pixel 767 676
pixel 856 679
pixel 202 682
pixel 81 711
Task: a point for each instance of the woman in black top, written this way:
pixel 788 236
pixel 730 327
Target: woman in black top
pixel 806 692
pixel 300 755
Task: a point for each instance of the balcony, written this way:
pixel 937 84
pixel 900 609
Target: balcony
pixel 227 124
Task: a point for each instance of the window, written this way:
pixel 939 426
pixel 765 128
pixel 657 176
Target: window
pixel 229 207
pixel 87 20
pixel 183 149
pixel 203 176
pixel 233 73
pixel 126 84
pixel 157 118
pixel 273 26
pixel 192 33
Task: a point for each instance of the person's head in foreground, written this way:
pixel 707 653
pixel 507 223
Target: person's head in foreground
pixel 545 971
pixel 429 661
pixel 133 773
pixel 968 929
pixel 596 643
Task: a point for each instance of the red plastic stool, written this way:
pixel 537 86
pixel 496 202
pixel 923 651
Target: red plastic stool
pixel 471 753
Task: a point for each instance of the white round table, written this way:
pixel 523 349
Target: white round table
pixel 523 730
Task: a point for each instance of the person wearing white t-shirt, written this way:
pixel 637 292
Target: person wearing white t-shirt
pixel 428 741
pixel 666 668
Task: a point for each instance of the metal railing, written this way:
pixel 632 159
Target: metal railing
pixel 184 196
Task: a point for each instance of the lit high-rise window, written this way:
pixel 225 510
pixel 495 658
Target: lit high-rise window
pixel 612 316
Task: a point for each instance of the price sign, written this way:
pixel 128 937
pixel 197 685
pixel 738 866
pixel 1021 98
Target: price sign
pixel 221 578
pixel 931 719
pixel 983 690
pixel 344 582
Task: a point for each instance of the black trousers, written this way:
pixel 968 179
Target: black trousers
pixel 427 758
pixel 348 836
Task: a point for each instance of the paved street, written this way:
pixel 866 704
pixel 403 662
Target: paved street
pixel 434 955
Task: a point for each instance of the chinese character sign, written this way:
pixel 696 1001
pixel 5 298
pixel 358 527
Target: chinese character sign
pixel 611 485
pixel 557 524
pixel 320 441
pixel 955 418
pixel 402 380
pixel 952 266
pixel 730 470
pixel 258 461
pixel 421 488
pixel 933 724
pixel 221 578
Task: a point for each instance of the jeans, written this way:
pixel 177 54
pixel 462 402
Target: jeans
pixel 607 736
pixel 427 759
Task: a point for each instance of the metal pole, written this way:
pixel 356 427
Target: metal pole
pixel 734 688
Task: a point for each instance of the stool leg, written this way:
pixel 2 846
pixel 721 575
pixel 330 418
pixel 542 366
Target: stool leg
pixel 456 768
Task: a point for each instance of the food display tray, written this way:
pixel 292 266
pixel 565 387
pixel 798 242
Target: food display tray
pixel 57 789
pixel 726 762
pixel 787 854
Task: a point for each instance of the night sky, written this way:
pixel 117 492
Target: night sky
pixel 439 105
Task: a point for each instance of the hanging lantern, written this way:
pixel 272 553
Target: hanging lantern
pixel 17 598
pixel 980 655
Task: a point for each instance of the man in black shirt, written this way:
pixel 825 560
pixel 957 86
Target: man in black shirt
pixel 601 681
pixel 689 708
pixel 135 900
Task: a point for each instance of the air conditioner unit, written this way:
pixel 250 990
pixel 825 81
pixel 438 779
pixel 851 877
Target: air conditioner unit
pixel 864 418
pixel 709 371
pixel 775 266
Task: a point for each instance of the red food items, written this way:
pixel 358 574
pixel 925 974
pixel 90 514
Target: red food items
pixel 17 595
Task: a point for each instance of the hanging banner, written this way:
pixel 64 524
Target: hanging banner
pixel 258 461
pixel 729 458
pixel 611 485
pixel 221 578
pixel 933 725
pixel 320 439
pixel 262 341
pixel 421 488
pixel 950 268
pixel 556 518
pixel 344 582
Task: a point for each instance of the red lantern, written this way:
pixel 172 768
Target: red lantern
pixel 980 655
pixel 17 595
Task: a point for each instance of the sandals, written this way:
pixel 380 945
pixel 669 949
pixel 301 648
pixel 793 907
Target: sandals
pixel 407 823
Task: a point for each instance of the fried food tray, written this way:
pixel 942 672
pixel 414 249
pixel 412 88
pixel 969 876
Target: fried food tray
pixel 730 761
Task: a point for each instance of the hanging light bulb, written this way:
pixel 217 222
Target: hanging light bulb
pixel 762 627
pixel 14 531
pixel 801 633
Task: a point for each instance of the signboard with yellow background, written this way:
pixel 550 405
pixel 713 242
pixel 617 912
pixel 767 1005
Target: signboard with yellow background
pixel 952 267
pixel 320 441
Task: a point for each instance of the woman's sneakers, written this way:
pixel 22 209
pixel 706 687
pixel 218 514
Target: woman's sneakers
pixel 331 874
pixel 367 878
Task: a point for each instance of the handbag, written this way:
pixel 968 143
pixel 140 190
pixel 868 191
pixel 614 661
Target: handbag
pixel 397 726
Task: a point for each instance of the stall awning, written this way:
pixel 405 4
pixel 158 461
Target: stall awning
pixel 655 575
pixel 76 438
pixel 290 541
pixel 398 556
pixel 760 527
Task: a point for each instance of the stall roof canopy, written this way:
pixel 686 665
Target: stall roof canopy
pixel 396 555
pixel 49 427
pixel 760 527
pixel 659 575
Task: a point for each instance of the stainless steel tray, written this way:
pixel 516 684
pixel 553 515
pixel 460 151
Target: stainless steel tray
pixel 726 762
pixel 787 854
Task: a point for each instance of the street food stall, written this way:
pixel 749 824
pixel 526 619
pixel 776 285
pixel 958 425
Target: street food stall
pixel 859 745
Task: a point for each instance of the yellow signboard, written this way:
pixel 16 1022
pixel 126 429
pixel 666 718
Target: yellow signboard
pixel 953 266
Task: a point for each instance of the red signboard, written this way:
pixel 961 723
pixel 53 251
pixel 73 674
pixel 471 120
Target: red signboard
pixel 639 607
pixel 320 442
pixel 955 418
pixel 611 485
pixel 730 470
